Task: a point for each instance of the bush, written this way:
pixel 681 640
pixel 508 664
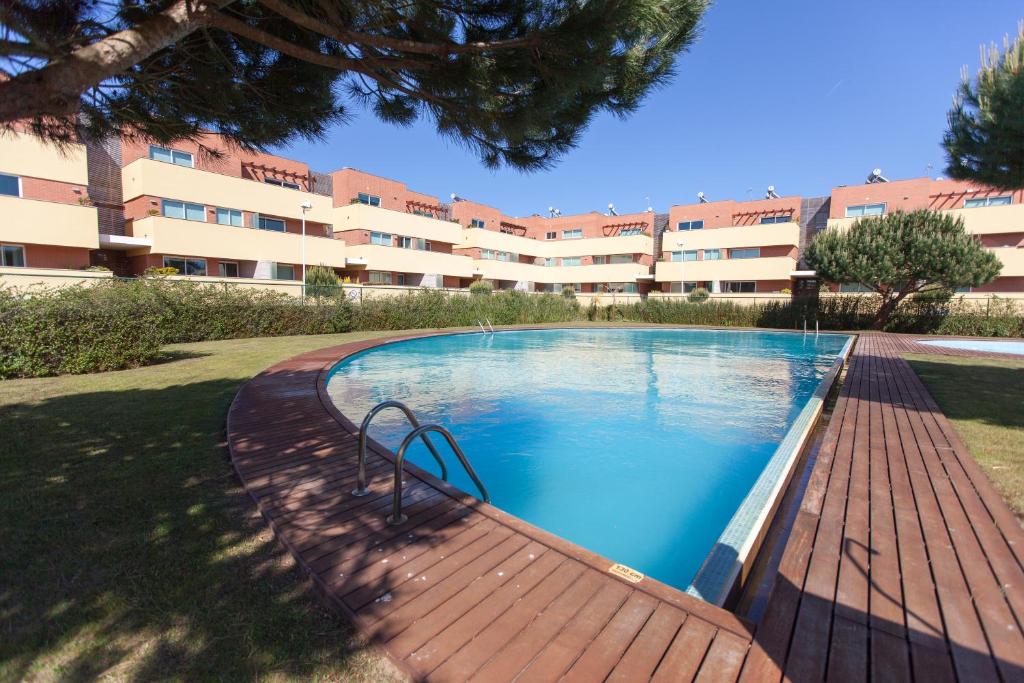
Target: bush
pixel 568 292
pixel 322 284
pixel 481 288
pixel 697 295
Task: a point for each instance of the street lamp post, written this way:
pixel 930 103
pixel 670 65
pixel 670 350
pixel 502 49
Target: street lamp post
pixel 305 206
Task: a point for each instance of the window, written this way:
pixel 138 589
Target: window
pixel 751 252
pixel 230 217
pixel 381 238
pixel 865 210
pixel 186 266
pixel 422 212
pixel 712 254
pixel 748 287
pixel 10 185
pixel 853 288
pixel 170 156
pixel 379 278
pixel 768 220
pixel 684 255
pixel 600 260
pixel 413 243
pixel 264 223
pixel 684 287
pixel 549 262
pixel 627 287
pixel 574 234
pixel 987 201
pixel 690 225
pixel 401 280
pixel 571 261
pixel 190 212
pixel 369 200
pixel 476 223
pixel 12 256
pixel 621 258
pixel 227 269
pixel 492 255
pixel 282 183
pixel 631 231
pixel 550 235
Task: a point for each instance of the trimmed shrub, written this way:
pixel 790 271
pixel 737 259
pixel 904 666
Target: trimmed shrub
pixel 481 288
pixel 698 295
pixel 568 292
pixel 322 284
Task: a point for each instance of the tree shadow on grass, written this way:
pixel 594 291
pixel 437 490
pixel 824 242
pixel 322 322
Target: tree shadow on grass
pixel 993 392
pixel 130 548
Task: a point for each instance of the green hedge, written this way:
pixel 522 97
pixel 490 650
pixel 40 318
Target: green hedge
pixel 123 324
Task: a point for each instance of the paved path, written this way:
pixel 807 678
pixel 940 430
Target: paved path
pixel 903 563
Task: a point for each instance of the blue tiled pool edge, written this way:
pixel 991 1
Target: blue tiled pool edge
pixel 737 545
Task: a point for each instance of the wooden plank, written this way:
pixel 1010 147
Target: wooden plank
pixel 685 654
pixel 724 659
pixel 604 652
pixel 644 655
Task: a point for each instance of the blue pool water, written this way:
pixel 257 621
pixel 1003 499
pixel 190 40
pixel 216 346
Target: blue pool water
pixel 637 444
pixel 1014 347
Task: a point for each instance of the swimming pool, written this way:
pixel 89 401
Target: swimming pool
pixel 1012 347
pixel 638 444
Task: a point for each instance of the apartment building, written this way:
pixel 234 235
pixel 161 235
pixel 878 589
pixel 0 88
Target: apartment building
pixel 592 252
pixel 47 220
pixel 996 217
pixel 731 247
pixel 217 213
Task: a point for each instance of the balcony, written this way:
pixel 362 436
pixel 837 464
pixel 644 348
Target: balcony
pixel 1012 259
pixel 597 246
pixel 739 236
pixel 192 238
pixel 32 221
pixel 27 155
pixel 993 220
pixel 159 179
pixel 770 268
pixel 528 272
pixel 395 259
pixel 363 217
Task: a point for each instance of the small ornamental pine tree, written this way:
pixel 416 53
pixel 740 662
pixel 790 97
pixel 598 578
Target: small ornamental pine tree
pixel 902 253
pixel 985 139
pixel 322 283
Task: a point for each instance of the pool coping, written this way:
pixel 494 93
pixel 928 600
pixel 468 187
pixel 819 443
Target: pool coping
pixel 737 547
pixel 659 590
pixel 785 457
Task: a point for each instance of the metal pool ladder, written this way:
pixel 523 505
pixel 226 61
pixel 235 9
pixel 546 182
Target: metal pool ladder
pixel 481 324
pixel 418 432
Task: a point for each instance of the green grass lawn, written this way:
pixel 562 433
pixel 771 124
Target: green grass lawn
pixel 129 550
pixel 984 399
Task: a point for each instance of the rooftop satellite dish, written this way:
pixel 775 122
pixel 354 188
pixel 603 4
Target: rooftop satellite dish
pixel 701 198
pixel 611 210
pixel 771 194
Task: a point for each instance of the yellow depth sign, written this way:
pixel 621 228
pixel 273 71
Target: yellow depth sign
pixel 624 572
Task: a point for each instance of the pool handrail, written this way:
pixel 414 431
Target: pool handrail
pixel 397 517
pixel 361 489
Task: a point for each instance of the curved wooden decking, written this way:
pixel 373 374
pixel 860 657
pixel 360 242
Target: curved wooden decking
pixel 903 563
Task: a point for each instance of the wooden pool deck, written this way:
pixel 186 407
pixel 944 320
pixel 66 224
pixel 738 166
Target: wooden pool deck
pixel 903 562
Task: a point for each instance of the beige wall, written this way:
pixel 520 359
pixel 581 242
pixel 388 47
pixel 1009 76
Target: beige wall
pixel 46 278
pixel 600 246
pixel 615 272
pixel 772 268
pixel 727 238
pixel 1013 261
pixel 363 217
pixel 156 178
pixel 192 238
pixel 26 155
pixel 36 222
pixel 411 261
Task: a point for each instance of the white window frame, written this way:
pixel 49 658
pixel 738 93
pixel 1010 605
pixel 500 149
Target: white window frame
pixel 477 223
pixel 184 210
pixel 725 286
pixel 575 261
pixel 191 157
pixel 21 189
pixel 754 249
pixel 773 220
pixel 369 199
pixel 241 217
pixel 258 218
pixel 680 256
pixel 551 235
pixel 717 252
pixel 987 201
pixel 375 234
pixel 24 254
pixel 370 275
pixel 864 207
pixel 277 271
pixel 572 234
pixel 689 225
pixel 282 183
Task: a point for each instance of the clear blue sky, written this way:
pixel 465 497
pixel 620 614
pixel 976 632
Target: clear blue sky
pixel 803 95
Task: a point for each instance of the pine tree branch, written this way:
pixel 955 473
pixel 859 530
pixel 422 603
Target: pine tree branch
pixel 56 89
